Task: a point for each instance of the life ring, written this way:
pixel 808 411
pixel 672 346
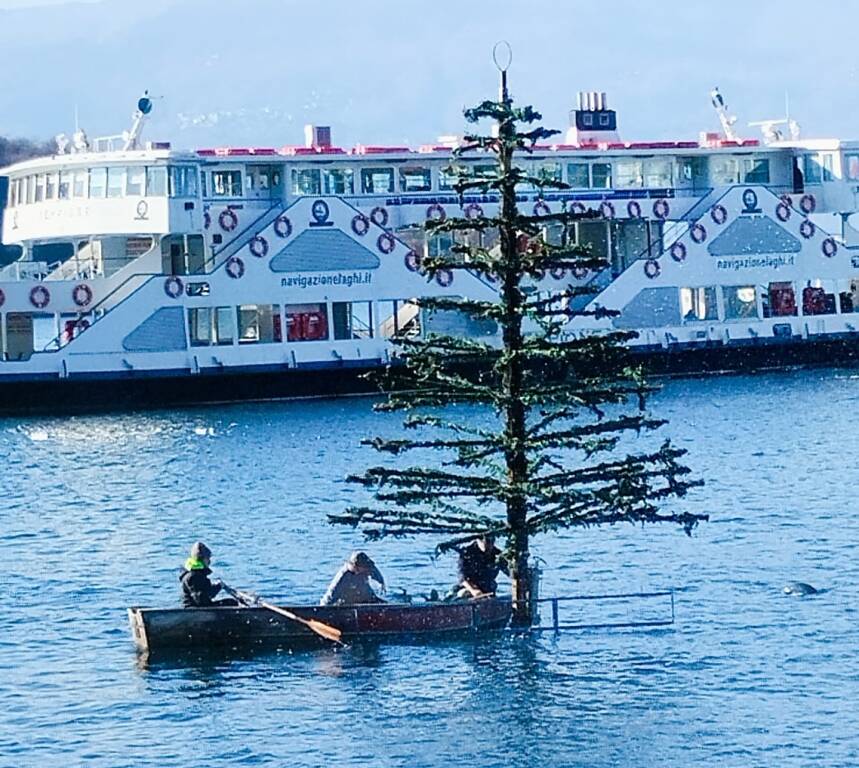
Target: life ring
pixel 235 267
pixel 580 273
pixel 633 208
pixel 829 247
pixel 473 211
pixel 228 220
pixel 282 226
pixel 541 208
pixel 678 252
pixel 559 273
pixel 436 213
pixel 652 268
pixel 82 295
pixel 444 277
pixel 207 219
pixel 719 214
pixel 607 209
pixel 360 225
pixel 698 233
pixel 782 211
pixel 40 297
pixel 807 229
pixel 661 209
pixel 412 261
pixel 259 246
pixel 578 207
pixel 807 203
pixel 386 243
pixel 173 287
pixel 379 216
pixel 786 199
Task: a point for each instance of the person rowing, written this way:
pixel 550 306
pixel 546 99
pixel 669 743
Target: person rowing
pixel 351 585
pixel 197 589
pixel 479 565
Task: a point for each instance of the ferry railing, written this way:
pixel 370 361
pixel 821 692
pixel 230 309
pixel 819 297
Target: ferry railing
pixel 235 244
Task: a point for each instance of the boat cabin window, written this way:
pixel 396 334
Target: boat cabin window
pixel 578 175
pixel 156 181
pixel 697 304
pixel 352 320
pixel 485 172
pixel 779 300
pixel 447 177
pixel 50 186
pixel 226 183
pixel 818 298
pixel 548 171
pixel 64 186
pixel 850 298
pixel 97 182
pixel 306 322
pixel 828 163
pixel 629 173
pixel 724 170
pixel 30 186
pixel 851 167
pixel 39 193
pixel 338 181
pixel 756 170
pixel 740 302
pixel 658 173
pixel 397 319
pixel 80 184
pixel 413 179
pixel 305 181
pixel 601 175
pixel 183 181
pixel 811 171
pixel 210 325
pixel 135 181
pixel 259 324
pixel 115 181
pixel 377 181
pixel 12 195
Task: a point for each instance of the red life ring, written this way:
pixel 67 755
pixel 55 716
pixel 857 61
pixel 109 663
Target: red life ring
pixel 678 252
pixel 173 287
pixel 386 243
pixel 782 211
pixel 607 209
pixel 282 226
pixel 40 297
pixel 578 207
pixel 559 273
pixel 207 219
pixel 719 214
pixel 444 277
pixel 228 220
pixel 580 273
pixel 541 208
pixel 235 267
pixel 807 229
pixel 412 261
pixel 259 246
pixel 661 209
pixel 473 211
pixel 633 208
pixel 807 203
pixel 82 295
pixel 698 233
pixel 360 225
pixel 652 268
pixel 379 216
pixel 436 213
pixel 829 247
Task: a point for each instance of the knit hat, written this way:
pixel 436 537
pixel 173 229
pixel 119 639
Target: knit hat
pixel 200 551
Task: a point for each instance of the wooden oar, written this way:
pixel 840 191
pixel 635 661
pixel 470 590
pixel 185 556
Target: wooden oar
pixel 319 627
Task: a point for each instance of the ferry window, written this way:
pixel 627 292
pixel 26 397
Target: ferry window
pixel 203 177
pixel 197 289
pixel 397 319
pixel 629 173
pixel 818 298
pixel 578 175
pixel 756 171
pixel 31 189
pixel 135 181
pixel 305 181
pixel 351 320
pixel 724 170
pixel 779 300
pixel 851 164
pixel 657 173
pixel 115 181
pixel 485 172
pixel 415 179
pixel 811 171
pixel 601 175
pixel 50 186
pixel 79 186
pixel 64 185
pixel 827 159
pixel 698 304
pixel 850 297
pixel 12 193
pixel 338 181
pixel 740 302
pixel 97 182
pixel 587 119
pixel 439 244
pixel 200 326
pixel 377 181
pixel 226 183
pixel 259 323
pixel 223 329
pixel 604 119
pixel 306 322
pixel 182 181
pixel 156 181
pixel 39 194
pixel 447 178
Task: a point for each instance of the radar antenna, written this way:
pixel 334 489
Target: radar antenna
pixel 726 119
pixel 144 108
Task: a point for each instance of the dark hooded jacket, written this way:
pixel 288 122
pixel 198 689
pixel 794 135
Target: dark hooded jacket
pixel 197 589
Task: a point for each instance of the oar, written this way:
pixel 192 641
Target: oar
pixel 319 627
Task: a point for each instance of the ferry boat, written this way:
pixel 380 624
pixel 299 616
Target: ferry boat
pixel 150 275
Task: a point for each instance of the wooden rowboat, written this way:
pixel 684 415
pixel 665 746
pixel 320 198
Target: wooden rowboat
pixel 190 628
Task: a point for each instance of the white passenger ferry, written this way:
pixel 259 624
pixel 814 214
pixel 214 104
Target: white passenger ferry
pixel 150 275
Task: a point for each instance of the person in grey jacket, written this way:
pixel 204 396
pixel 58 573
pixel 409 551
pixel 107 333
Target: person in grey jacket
pixel 351 585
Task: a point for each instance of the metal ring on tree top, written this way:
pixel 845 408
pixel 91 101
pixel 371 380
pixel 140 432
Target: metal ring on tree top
pixel 40 297
pixel 435 212
pixel 829 247
pixel 807 204
pixel 82 295
pixel 360 224
pixel 386 243
pixel 173 287
pixel 807 229
pixel 259 246
pixel 412 261
pixel 228 220
pixel 379 216
pixel 473 211
pixel 652 268
pixel 698 233
pixel 633 208
pixel 678 252
pixel 235 267
pixel 607 209
pixel 661 209
pixel 782 211
pixel 444 277
pixel 719 214
pixel 282 226
pixel 541 208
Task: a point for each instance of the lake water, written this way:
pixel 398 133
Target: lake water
pixel 98 513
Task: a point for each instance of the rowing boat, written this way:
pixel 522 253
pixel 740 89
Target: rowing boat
pixel 177 628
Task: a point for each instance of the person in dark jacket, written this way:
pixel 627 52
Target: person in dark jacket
pixel 479 565
pixel 197 589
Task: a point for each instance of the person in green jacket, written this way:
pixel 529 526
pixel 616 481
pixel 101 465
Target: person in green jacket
pixel 198 590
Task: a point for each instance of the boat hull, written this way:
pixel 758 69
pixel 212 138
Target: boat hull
pixel 226 627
